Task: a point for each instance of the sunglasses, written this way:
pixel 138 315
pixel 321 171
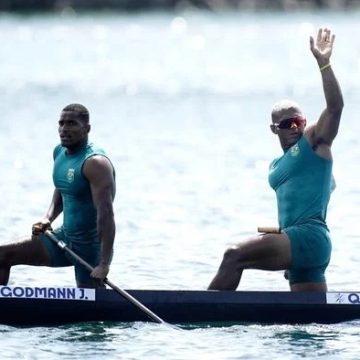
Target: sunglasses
pixel 297 121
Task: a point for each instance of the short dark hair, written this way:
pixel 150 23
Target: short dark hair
pixel 81 110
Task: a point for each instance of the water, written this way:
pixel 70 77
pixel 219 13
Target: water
pixel 181 103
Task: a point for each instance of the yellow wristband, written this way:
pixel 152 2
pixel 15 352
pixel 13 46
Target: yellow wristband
pixel 325 67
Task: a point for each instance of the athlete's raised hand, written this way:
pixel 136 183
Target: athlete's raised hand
pixel 323 46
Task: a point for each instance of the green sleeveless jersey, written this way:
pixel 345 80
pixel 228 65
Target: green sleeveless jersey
pixel 302 181
pixel 80 216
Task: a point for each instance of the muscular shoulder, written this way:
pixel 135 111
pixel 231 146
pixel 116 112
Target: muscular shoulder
pixel 97 166
pixel 319 146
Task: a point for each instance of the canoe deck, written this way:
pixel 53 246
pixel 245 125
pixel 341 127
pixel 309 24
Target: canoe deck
pixel 31 306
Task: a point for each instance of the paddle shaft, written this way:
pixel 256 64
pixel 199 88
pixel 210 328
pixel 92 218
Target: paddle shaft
pixel 122 292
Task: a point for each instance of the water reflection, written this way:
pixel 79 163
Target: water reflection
pixel 322 340
pixel 88 332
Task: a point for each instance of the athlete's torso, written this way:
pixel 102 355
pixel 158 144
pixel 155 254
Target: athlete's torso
pixel 78 207
pixel 302 182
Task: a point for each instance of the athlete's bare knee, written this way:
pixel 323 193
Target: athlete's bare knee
pixel 231 257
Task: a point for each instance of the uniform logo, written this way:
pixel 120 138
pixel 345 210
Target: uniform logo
pixel 295 150
pixel 71 175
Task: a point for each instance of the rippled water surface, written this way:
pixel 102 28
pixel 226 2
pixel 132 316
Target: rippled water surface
pixel 181 104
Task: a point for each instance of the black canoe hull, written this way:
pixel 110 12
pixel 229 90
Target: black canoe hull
pixel 180 306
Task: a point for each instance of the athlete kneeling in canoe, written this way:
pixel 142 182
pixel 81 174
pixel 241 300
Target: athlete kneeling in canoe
pixel 302 180
pixel 84 180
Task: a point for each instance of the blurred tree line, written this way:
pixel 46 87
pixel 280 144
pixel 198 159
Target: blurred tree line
pixel 76 5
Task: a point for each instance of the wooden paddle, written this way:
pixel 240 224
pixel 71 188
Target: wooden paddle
pixel 122 292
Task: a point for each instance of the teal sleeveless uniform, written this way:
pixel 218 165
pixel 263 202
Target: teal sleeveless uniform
pixel 79 229
pixel 303 182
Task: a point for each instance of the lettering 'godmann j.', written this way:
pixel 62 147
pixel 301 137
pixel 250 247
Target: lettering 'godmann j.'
pixel 47 293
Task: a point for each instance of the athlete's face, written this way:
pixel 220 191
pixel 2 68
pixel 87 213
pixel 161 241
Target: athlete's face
pixel 73 131
pixel 289 126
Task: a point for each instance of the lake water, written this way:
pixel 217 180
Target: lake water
pixel 181 103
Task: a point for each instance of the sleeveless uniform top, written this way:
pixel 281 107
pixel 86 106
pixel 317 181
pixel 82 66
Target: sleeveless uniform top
pixel 79 212
pixel 302 181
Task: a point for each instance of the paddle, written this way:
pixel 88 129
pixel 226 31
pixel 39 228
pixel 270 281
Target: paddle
pixel 122 292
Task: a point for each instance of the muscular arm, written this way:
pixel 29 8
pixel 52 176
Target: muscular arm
pixel 56 206
pixel 99 171
pixel 328 124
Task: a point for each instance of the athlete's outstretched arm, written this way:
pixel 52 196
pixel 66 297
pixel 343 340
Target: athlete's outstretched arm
pixel 327 127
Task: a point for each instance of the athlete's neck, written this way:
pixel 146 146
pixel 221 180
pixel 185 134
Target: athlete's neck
pixel 73 149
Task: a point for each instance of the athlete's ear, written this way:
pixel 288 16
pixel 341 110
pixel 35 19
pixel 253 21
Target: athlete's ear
pixel 274 129
pixel 88 128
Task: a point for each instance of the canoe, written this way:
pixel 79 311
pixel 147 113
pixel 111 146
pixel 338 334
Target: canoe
pixel 45 306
